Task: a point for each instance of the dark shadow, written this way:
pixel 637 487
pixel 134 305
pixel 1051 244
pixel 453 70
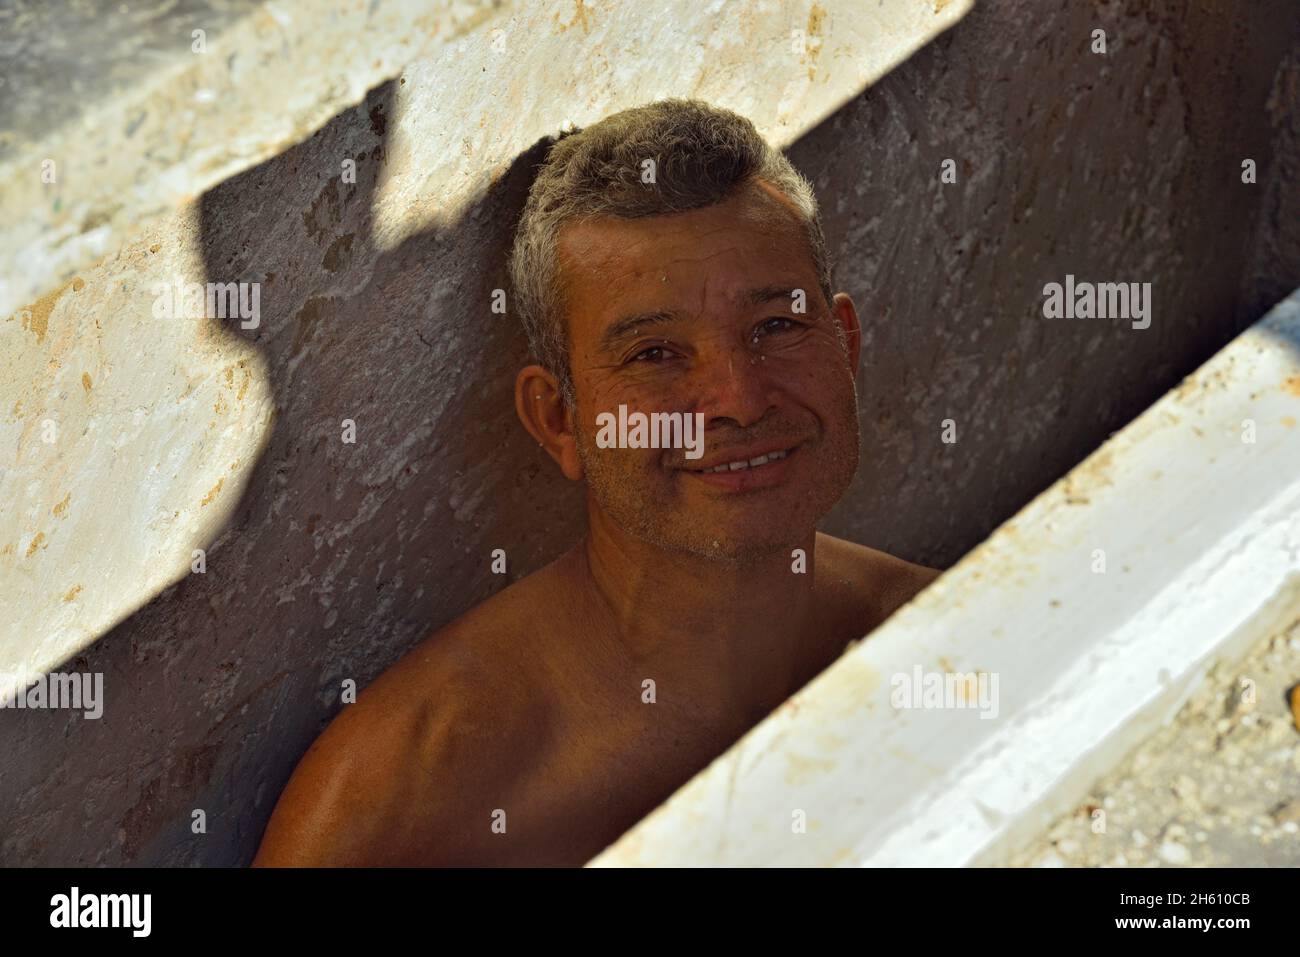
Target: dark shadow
pixel 339 557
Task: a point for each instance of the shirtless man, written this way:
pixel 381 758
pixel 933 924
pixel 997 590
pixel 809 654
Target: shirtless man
pixel 545 722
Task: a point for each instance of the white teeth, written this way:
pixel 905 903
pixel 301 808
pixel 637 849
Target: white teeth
pixel 743 464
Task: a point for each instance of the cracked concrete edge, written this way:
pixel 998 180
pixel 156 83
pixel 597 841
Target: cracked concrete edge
pixel 1202 532
pixel 267 81
pixel 1216 784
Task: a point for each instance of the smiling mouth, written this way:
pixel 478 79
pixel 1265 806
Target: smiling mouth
pixel 741 465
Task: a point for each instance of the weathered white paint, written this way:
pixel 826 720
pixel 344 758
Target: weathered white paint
pixel 124 444
pixel 275 76
pixel 786 66
pixel 194 119
pixel 1201 534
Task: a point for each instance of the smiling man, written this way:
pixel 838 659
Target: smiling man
pixel 668 261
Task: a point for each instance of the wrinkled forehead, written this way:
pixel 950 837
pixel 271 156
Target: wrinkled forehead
pixel 680 261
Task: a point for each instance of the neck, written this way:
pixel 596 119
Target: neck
pixel 734 637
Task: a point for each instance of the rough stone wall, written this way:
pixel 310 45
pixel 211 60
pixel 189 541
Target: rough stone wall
pixel 339 557
pixel 1275 270
pixel 1123 167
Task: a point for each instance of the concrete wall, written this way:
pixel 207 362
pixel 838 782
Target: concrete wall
pixel 336 558
pixel 1125 167
pixel 137 108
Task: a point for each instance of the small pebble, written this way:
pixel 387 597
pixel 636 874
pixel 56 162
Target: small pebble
pixel 1287 812
pixel 1172 852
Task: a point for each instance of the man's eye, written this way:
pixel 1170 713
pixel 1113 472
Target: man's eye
pixel 775 324
pixel 653 354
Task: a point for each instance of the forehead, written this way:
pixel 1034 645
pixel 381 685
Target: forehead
pixel 689 260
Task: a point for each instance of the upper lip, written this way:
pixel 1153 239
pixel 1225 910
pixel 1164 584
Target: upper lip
pixel 738 455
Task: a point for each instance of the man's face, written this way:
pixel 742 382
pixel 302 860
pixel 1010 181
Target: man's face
pixel 694 312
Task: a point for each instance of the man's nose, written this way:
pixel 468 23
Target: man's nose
pixel 732 382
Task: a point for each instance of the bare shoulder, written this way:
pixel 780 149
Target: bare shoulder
pixel 885 581
pixel 398 777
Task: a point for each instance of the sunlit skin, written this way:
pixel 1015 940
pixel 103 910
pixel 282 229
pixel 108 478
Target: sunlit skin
pixel 728 343
pixel 535 703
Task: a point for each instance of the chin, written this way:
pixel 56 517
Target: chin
pixel 733 549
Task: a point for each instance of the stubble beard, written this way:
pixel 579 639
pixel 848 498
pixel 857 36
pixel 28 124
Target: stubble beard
pixel 666 523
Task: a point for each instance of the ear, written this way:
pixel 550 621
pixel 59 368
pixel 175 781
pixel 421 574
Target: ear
pixel 541 408
pixel 844 313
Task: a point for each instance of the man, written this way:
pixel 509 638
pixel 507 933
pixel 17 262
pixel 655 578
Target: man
pixel 667 260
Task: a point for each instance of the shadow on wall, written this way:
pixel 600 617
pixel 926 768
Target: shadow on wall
pixel 340 557
pixel 1124 167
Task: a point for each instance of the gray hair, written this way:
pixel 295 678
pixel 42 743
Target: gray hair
pixel 702 153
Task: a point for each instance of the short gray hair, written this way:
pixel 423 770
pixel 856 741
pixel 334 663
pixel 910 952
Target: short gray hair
pixel 702 153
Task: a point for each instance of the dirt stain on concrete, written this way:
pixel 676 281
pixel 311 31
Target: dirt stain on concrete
pixel 37 542
pixel 213 493
pixel 307 319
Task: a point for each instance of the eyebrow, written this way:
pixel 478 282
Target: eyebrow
pixel 628 325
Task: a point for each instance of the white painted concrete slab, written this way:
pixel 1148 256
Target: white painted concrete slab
pixel 1199 530
pixel 208 94
pixel 276 74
